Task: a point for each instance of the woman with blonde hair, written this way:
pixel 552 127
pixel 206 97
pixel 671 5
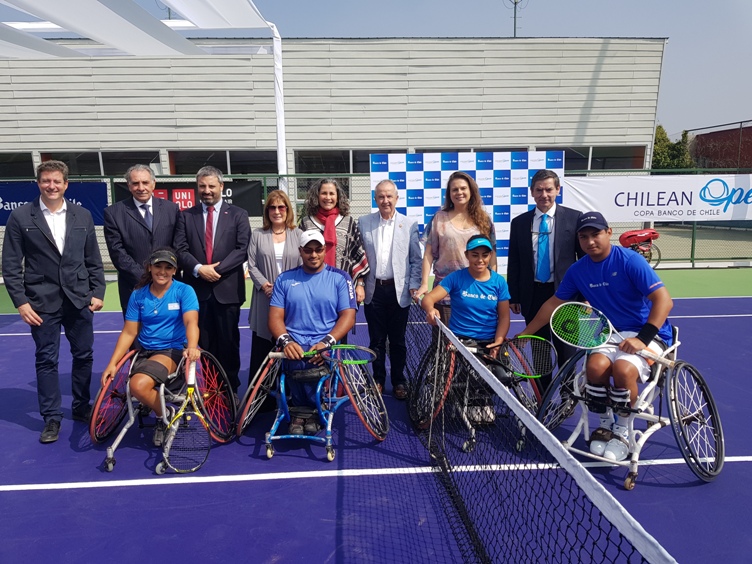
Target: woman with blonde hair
pixel 273 249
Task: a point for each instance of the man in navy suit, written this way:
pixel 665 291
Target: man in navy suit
pixel 392 246
pixel 54 276
pixel 533 276
pixel 136 226
pixel 212 243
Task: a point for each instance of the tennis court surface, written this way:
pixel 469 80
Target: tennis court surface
pixel 376 502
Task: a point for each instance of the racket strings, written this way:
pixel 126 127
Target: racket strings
pixel 190 444
pixel 529 356
pixel 580 325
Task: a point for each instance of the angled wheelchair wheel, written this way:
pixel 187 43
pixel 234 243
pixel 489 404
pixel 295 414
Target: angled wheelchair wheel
pixel 110 404
pixel 365 398
pixel 526 391
pixel 558 403
pixel 429 390
pixel 695 421
pixel 216 397
pixel 263 382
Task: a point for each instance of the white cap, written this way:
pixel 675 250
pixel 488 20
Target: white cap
pixel 311 235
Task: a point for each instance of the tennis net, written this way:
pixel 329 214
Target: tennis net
pixel 510 491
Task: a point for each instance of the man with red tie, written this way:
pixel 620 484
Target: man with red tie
pixel 212 241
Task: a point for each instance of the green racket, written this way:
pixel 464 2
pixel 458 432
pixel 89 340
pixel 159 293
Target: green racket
pixel 585 327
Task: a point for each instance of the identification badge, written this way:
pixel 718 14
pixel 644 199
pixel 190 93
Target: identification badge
pixel 173 306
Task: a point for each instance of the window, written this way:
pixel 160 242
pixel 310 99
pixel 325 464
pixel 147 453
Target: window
pixel 253 162
pixel 117 162
pixel 617 158
pixel 322 162
pixel 16 165
pixel 575 158
pixel 79 164
pixel 189 162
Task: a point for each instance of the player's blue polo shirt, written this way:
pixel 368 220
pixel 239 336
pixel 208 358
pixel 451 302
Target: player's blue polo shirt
pixel 474 303
pixel 161 319
pixel 618 286
pixel 312 302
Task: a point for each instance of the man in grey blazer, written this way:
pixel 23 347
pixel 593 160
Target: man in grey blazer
pixel 54 276
pixel 392 246
pixel 532 277
pixel 135 227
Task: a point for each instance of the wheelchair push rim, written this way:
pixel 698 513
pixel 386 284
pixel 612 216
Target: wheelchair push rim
pixel 110 404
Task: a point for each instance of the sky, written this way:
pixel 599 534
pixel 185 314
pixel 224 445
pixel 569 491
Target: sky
pixel 705 80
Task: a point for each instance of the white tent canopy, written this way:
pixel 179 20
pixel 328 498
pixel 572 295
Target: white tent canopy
pixel 127 29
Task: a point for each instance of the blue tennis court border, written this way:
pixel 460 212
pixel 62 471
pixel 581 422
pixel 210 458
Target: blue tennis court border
pixel 373 503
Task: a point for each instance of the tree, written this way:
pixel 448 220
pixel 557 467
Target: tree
pixel 669 155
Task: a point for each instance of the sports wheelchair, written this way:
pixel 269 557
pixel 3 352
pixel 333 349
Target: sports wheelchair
pixel 444 378
pixel 113 402
pixel 692 413
pixel 344 377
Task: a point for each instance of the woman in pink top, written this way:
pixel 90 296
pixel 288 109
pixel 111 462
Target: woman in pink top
pixel 446 236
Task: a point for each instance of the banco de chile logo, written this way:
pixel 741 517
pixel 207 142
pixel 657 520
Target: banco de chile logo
pixel 717 193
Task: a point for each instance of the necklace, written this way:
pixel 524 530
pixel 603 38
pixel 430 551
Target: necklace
pixel 278 232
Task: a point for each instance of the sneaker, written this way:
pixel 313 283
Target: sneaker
pixel 83 414
pixel 312 426
pixel 160 428
pixel 296 426
pixel 599 439
pixel 481 414
pixel 617 448
pixel 50 432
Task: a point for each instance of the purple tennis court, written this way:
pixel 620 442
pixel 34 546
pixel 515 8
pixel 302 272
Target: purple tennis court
pixel 375 502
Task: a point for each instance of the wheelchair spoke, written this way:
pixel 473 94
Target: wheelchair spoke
pixel 110 404
pixel 216 397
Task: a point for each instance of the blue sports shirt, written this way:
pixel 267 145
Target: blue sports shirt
pixel 474 303
pixel 312 302
pixel 161 319
pixel 618 286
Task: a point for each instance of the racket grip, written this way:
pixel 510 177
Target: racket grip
pixel 647 353
pixel 190 373
pixel 276 355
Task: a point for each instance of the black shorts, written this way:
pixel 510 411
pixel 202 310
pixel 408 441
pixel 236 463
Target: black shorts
pixel 156 371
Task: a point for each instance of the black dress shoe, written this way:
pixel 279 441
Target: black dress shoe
pixel 50 432
pixel 400 391
pixel 83 414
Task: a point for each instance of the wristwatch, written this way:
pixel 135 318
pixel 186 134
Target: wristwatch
pixel 359 283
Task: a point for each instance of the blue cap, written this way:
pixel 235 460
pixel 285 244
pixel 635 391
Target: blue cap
pixel 591 219
pixel 478 241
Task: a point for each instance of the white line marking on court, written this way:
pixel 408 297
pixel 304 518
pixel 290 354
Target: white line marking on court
pixel 176 480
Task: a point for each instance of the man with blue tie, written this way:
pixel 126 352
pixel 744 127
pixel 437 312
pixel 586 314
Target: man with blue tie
pixel 392 246
pixel 212 244
pixel 54 276
pixel 135 227
pixel 542 246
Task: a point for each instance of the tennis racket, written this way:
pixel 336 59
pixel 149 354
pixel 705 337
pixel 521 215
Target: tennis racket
pixel 528 356
pixel 188 437
pixel 585 327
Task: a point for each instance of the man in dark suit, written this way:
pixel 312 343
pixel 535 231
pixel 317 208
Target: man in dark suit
pixel 532 275
pixel 212 243
pixel 136 226
pixel 54 276
pixel 393 249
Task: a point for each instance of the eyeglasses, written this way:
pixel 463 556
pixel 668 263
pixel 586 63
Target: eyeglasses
pixel 280 208
pixel 310 251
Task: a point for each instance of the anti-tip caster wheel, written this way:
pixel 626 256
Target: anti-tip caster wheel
pixel 109 464
pixel 161 468
pixel 330 454
pixel 630 481
pixel 269 451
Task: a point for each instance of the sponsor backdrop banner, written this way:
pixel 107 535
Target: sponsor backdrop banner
pixel 246 194
pixel 503 180
pixel 91 195
pixel 662 198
